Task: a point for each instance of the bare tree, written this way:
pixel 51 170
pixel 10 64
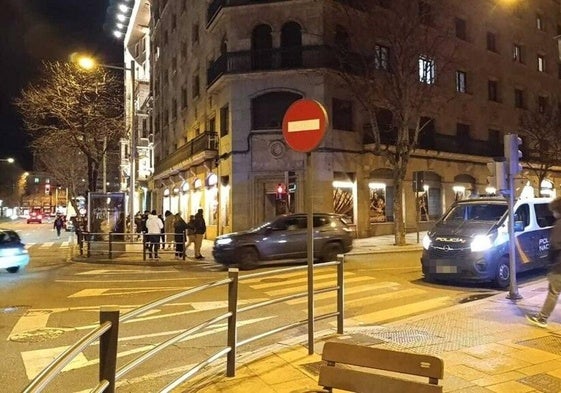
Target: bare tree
pixel 540 130
pixel 391 55
pixel 73 117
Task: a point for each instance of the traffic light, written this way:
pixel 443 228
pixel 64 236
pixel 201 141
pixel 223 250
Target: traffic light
pixel 497 175
pixel 280 191
pixel 512 153
pixel 291 181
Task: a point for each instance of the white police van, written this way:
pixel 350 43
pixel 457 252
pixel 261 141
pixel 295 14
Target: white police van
pixel 470 243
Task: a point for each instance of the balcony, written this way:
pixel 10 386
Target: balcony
pixel 216 5
pixel 301 57
pixel 197 150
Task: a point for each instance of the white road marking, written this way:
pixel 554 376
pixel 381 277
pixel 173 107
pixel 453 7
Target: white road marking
pixel 117 272
pixel 403 311
pixel 289 290
pixel 122 291
pixel 303 125
pixel 31 320
pixel 367 288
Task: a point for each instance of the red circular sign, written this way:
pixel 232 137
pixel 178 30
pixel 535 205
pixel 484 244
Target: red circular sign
pixel 304 124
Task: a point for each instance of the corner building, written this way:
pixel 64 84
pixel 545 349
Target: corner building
pixel 223 72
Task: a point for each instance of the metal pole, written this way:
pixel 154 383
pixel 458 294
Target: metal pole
pixel 340 293
pixel 310 250
pixel 104 163
pixel 132 154
pixel 513 290
pixel 233 273
pixel 108 346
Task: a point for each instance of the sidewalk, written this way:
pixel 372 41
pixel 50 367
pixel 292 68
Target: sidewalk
pixel 487 346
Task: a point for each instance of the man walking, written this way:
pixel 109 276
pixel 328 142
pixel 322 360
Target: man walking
pixel 554 275
pixel 200 229
pixel 154 228
pixel 58 224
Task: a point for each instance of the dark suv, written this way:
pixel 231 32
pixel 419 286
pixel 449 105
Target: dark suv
pixel 285 238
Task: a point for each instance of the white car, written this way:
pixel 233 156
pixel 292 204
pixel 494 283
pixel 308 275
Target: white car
pixel 13 254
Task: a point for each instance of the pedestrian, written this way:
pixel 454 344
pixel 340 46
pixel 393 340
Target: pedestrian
pixel 554 275
pixel 138 224
pixel 154 226
pixel 58 224
pixel 169 227
pixel 179 227
pixel 200 229
pixel 162 233
pixel 190 232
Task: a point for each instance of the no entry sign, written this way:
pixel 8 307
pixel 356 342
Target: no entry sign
pixel 303 125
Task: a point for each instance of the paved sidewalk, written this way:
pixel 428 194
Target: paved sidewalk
pixel 487 346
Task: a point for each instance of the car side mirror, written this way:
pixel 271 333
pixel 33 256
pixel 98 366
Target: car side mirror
pixel 518 226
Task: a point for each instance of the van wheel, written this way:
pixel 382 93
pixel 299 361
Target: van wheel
pixel 330 251
pixel 248 258
pixel 13 269
pixel 502 277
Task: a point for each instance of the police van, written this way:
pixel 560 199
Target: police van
pixel 470 243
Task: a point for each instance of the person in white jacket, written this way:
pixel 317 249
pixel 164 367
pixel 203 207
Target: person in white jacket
pixel 154 228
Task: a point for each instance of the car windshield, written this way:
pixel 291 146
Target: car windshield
pixel 8 237
pixel 476 212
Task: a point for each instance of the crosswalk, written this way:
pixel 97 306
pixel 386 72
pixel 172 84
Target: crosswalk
pixel 45 245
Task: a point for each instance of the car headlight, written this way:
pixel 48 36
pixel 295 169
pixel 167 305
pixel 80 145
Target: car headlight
pixel 426 242
pixel 481 243
pixel 223 242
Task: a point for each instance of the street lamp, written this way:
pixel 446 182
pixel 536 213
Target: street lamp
pixel 9 160
pixel 89 63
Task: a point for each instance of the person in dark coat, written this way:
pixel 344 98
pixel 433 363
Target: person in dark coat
pixel 179 226
pixel 200 229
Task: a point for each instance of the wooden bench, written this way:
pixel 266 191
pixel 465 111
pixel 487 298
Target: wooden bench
pixel 381 370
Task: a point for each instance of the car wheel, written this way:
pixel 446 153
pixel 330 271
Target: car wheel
pixel 502 276
pixel 248 258
pixel 13 269
pixel 330 251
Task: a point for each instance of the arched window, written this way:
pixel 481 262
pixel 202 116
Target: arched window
pixel 224 46
pixel 261 48
pixel 342 41
pixel 268 109
pixel 291 45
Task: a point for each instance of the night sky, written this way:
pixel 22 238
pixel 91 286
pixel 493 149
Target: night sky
pixel 33 31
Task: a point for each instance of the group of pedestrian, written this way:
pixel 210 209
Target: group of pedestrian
pixel 171 231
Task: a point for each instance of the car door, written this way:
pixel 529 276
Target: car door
pixel 544 221
pixel 285 239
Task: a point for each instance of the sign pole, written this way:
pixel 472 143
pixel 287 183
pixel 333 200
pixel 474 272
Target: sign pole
pixel 310 251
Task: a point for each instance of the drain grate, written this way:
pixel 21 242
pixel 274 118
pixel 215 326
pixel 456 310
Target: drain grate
pixel 312 368
pixel 551 344
pixel 543 383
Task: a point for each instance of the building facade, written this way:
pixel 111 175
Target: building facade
pixel 217 77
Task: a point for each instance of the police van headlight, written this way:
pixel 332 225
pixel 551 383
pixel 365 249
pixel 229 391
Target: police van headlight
pixel 426 242
pixel 481 243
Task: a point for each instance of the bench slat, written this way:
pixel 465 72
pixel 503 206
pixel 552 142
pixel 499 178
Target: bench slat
pixel 384 359
pixel 363 382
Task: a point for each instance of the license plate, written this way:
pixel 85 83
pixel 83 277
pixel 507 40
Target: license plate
pixel 447 269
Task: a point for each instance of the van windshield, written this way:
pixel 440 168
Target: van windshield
pixel 476 212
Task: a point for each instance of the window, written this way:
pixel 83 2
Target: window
pixel 540 23
pixel 461 29
pixel 195 33
pixel 174 108
pixel 544 217
pixel 267 110
pixel 342 41
pixel 426 70
pixel 493 90
pixel 184 97
pixel 519 98
pixel 381 57
pixel 196 86
pixel 517 53
pixel 462 131
pixel 166 38
pixel 291 45
pixel 173 22
pixel 261 47
pixel 523 214
pixel 541 63
pixel 491 42
pixel 342 114
pixel 542 104
pixel 183 49
pixel 224 120
pixel 461 82
pixel 425 13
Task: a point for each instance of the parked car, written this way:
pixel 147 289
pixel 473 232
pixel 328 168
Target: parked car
pixel 13 254
pixel 285 238
pixel 35 215
pixel 471 241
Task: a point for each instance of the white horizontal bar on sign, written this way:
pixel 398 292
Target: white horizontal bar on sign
pixel 303 125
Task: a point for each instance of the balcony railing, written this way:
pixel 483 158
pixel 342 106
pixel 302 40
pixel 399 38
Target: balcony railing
pixel 272 59
pixel 216 5
pixel 206 142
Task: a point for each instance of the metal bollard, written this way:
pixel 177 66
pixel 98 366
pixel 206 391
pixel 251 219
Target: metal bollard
pixel 234 274
pixel 108 346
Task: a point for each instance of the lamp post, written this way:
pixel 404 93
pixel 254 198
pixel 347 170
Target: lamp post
pixel 89 63
pixel 9 160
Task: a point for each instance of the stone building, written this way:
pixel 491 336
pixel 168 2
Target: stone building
pixel 223 72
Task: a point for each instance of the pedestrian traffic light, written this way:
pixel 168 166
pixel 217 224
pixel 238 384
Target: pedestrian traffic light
pixel 497 175
pixel 280 191
pixel 291 181
pixel 512 153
